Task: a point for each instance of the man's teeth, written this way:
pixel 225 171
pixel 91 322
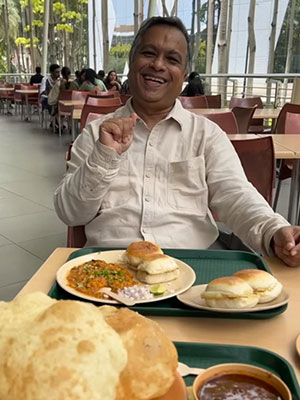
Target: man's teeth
pixel 151 78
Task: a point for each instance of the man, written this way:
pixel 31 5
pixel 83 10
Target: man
pixel 48 83
pixel 37 78
pixel 153 170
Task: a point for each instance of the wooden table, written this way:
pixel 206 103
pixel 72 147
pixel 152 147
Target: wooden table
pixel 7 89
pixel 72 103
pixel 26 93
pixel 277 334
pixel 260 113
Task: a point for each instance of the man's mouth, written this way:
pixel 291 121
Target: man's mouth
pixel 154 79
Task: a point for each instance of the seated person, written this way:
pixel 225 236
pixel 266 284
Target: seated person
pixel 63 84
pixel 37 77
pixel 194 86
pixel 77 78
pixel 101 75
pixel 153 170
pixel 91 82
pixel 112 82
pixel 47 84
pixel 125 87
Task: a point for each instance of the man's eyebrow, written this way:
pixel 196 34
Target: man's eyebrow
pixel 152 46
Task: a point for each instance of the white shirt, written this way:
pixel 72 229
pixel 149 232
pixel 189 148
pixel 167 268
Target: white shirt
pixel 163 187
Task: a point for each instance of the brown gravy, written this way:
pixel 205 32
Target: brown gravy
pixel 237 387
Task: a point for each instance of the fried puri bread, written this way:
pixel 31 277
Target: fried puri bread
pixel 152 357
pixel 157 268
pixel 137 252
pixel 229 292
pixel 57 350
pixel 265 285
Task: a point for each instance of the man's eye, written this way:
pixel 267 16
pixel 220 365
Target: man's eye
pixel 148 53
pixel 173 60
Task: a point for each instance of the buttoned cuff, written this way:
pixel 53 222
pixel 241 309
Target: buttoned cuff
pixel 104 156
pixel 267 249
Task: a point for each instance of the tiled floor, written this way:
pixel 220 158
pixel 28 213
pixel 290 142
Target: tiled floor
pixel 32 162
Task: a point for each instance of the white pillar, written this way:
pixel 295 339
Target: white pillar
pixel 45 37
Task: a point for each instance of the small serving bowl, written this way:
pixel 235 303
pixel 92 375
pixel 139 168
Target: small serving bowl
pixel 177 391
pixel 242 369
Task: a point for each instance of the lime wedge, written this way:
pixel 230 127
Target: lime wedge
pixel 158 289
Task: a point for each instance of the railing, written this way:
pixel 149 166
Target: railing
pixel 239 85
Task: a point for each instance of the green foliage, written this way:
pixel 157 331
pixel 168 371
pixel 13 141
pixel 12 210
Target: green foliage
pixel 59 8
pixel 121 50
pixel 37 22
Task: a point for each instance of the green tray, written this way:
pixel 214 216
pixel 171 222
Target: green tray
pixel 208 265
pixel 204 355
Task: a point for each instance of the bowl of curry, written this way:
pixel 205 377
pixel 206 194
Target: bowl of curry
pixel 91 276
pixel 239 381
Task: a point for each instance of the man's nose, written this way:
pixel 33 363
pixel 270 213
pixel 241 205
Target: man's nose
pixel 158 63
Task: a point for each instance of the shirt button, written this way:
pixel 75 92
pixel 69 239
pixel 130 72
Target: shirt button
pixel 150 144
pixel 148 175
pixel 147 199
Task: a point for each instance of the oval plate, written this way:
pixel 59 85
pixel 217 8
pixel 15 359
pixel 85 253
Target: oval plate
pixel 185 280
pixel 192 298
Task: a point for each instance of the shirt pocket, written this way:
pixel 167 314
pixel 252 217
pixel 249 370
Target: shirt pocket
pixel 120 190
pixel 186 188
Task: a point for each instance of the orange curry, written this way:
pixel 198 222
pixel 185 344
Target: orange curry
pixel 93 275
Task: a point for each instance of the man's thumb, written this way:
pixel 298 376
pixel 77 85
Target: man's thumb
pixel 288 239
pixel 133 116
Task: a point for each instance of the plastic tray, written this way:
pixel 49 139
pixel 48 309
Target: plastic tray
pixel 208 264
pixel 204 355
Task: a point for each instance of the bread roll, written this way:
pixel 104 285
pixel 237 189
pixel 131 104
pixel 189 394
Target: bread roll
pixel 152 357
pixel 229 292
pixel 137 252
pixel 57 350
pixel 265 285
pixel 158 268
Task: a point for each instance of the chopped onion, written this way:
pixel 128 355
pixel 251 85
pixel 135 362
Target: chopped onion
pixel 136 292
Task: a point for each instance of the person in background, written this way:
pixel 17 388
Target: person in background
pixel 77 78
pixel 194 86
pixel 125 87
pixel 37 77
pixel 63 84
pixel 91 82
pixel 112 82
pixel 101 75
pixel 47 84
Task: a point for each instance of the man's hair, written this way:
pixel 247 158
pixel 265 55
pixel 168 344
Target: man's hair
pixel 53 67
pixel 38 70
pixel 174 22
pixel 65 72
pixel 101 73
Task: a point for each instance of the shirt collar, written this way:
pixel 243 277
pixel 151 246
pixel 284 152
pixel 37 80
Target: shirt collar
pixel 178 113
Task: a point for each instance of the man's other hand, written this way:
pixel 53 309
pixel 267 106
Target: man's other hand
pixel 286 243
pixel 118 132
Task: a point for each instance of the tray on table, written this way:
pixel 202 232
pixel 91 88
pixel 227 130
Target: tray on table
pixel 208 265
pixel 204 355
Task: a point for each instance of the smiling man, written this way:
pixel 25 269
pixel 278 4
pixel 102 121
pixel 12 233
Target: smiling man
pixel 153 170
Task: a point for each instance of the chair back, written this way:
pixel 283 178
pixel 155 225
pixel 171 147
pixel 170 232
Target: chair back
pixel 213 101
pixel 258 161
pixel 115 93
pixel 80 94
pixel 76 236
pixel 226 121
pixel 91 117
pixel 125 97
pixel 243 117
pixel 193 102
pixel 65 95
pixel 103 100
pixel 256 125
pixel 87 109
pixel 281 120
pixel 292 123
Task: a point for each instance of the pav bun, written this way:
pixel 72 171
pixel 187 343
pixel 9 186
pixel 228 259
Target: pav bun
pixel 157 268
pixel 265 285
pixel 229 292
pixel 137 252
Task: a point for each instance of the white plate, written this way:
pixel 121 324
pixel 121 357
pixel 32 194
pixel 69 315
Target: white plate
pixel 185 280
pixel 192 297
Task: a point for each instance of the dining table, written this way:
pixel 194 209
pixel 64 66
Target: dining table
pixel 259 113
pixel 26 93
pixel 277 334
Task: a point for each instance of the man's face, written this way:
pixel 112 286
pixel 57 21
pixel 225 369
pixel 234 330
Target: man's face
pixel 157 71
pixel 55 74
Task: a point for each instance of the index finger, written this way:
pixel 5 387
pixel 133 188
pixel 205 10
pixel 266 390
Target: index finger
pixel 295 250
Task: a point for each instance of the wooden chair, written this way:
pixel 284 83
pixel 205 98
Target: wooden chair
pixel 213 101
pixel 226 121
pixel 76 236
pixel 193 102
pixel 64 111
pixel 87 109
pixel 103 101
pixel 243 117
pixel 288 122
pixel 256 125
pixel 116 93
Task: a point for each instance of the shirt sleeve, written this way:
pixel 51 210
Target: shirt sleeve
pixel 43 85
pixel 91 169
pixel 237 203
